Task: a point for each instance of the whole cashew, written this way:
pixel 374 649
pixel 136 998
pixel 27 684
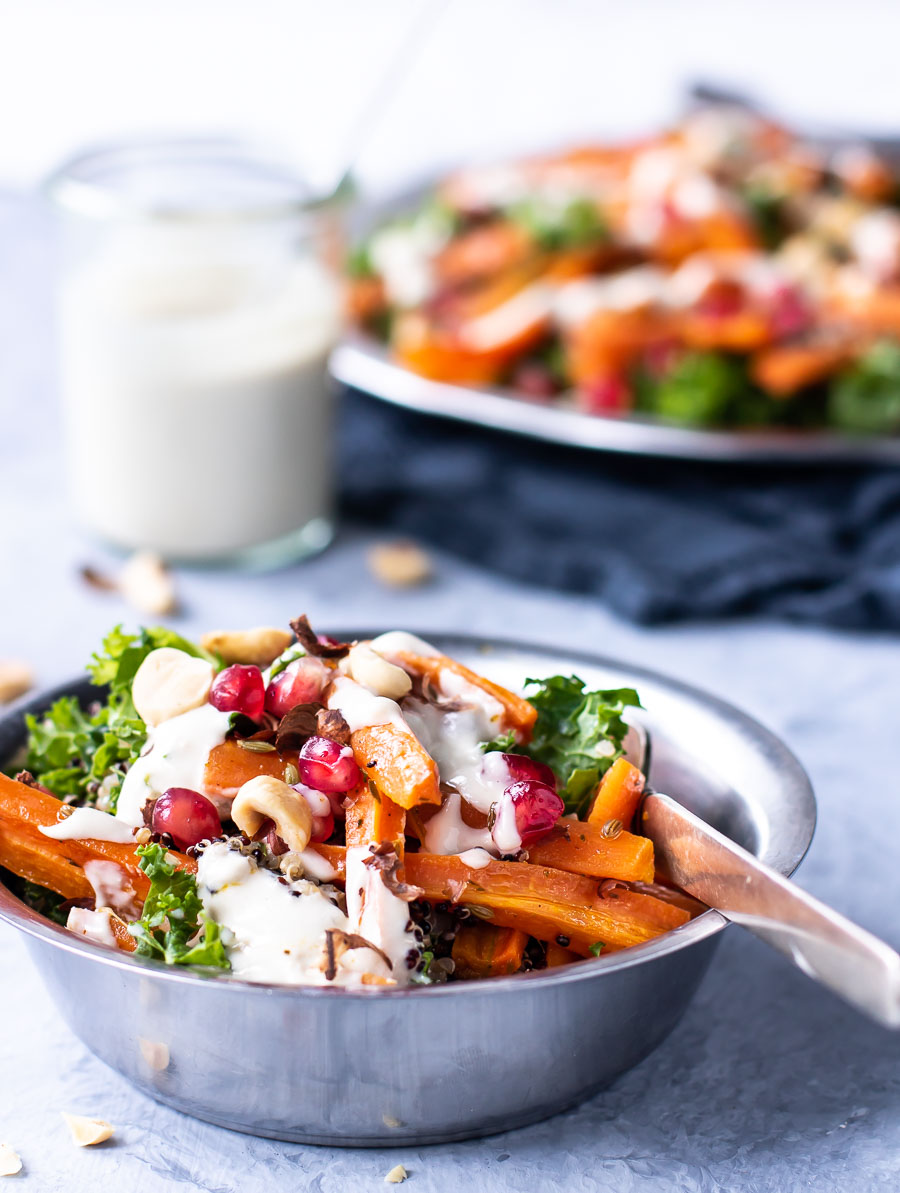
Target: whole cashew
pixel 267 798
pixel 168 683
pixel 376 673
pixel 259 646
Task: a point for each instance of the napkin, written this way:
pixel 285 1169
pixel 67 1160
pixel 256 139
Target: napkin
pixel 658 541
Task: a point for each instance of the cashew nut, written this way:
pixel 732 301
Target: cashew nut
pixel 267 798
pixel 168 683
pixel 376 673
pixel 259 646
pixel 87 1131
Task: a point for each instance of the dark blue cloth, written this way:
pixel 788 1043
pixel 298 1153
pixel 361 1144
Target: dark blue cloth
pixel 656 540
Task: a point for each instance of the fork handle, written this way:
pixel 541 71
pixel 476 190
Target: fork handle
pixel 847 959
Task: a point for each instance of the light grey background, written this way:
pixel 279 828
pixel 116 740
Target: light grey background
pixel 768 1083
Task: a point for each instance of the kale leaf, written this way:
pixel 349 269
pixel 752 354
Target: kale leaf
pixel 578 734
pixel 72 751
pixel 866 398
pixel 174 927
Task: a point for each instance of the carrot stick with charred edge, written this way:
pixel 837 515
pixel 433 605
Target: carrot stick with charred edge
pixel 58 865
pixel 398 766
pixel 582 848
pixel 483 951
pixel 538 900
pixel 518 714
pixel 618 796
pixel 373 819
pixel 230 766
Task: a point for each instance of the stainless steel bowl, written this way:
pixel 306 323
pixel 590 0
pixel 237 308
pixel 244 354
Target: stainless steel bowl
pixel 429 1065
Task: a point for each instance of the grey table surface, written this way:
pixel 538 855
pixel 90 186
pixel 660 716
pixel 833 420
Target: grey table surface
pixel 768 1083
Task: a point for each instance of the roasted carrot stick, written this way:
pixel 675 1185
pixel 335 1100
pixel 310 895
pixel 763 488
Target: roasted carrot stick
pixel 518 714
pixel 230 766
pixel 557 955
pixel 399 767
pixel 541 901
pixel 373 819
pixel 483 951
pixel 581 848
pixel 58 865
pixel 618 796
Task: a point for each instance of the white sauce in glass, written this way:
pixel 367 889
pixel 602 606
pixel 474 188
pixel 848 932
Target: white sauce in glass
pixel 175 756
pixel 90 824
pixel 184 346
pixel 275 932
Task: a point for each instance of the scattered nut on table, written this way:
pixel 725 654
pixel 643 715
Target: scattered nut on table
pixel 87 1131
pixel 259 646
pixel 396 1175
pixel 146 583
pixel 10 1162
pixel 399 564
pixel 15 679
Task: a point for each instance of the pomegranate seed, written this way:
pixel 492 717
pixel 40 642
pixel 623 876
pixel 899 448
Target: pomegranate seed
pixel 606 395
pixel 239 688
pixel 301 682
pixel 538 808
pixel 321 808
pixel 521 767
pixel 326 765
pixel 534 380
pixel 187 816
pixel 789 312
pixel 722 300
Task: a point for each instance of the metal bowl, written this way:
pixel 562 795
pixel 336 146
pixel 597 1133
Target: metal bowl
pixel 429 1065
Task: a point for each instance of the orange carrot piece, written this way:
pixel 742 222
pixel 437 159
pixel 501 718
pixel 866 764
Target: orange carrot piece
pixel 230 766
pixel 483 951
pixel 581 848
pixel 618 795
pixel 399 767
pixel 540 901
pixel 373 819
pixel 518 714
pixel 557 955
pixel 58 865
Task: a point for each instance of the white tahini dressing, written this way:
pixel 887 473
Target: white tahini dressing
pixel 175 756
pixel 112 888
pixel 275 932
pixel 94 925
pixel 394 643
pixel 377 914
pixel 90 824
pixel 361 709
pixel 475 859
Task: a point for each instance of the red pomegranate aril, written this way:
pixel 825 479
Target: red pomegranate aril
pixel 789 312
pixel 538 808
pixel 524 768
pixel 187 816
pixel 326 765
pixel 322 814
pixel 301 682
pixel 239 688
pixel 605 395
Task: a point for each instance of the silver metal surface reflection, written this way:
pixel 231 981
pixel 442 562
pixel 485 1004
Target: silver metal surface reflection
pixel 428 1065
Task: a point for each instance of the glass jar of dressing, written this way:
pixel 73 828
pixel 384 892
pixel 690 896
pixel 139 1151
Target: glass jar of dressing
pixel 198 303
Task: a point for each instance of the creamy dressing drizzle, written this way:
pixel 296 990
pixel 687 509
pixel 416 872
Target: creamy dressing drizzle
pixel 112 888
pixel 94 925
pixel 377 914
pixel 475 859
pixel 362 709
pixel 89 824
pixel 275 932
pixel 175 756
pixel 394 643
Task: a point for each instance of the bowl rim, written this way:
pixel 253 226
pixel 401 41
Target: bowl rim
pixel 19 915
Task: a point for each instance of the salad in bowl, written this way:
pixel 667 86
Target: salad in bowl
pixel 286 808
